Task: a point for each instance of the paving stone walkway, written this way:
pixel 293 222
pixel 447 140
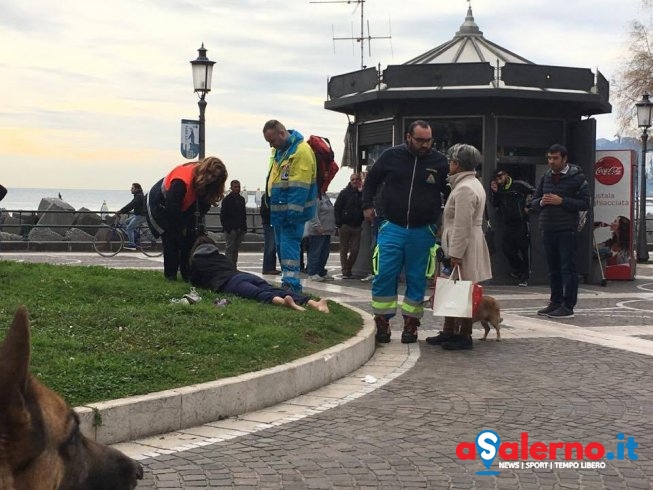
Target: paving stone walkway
pixel 583 380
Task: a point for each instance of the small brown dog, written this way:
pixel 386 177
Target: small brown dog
pixel 489 313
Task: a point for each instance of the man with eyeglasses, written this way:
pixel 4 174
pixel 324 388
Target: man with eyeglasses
pixel 349 218
pixel 415 176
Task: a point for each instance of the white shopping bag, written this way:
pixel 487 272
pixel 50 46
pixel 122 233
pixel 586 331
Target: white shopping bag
pixel 453 297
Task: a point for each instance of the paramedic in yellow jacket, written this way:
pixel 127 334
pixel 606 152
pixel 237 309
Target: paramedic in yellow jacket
pixel 292 191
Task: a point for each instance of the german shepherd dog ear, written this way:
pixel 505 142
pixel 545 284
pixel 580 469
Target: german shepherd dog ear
pixel 41 446
pixel 15 358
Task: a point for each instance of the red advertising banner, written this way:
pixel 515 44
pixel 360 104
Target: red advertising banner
pixel 613 213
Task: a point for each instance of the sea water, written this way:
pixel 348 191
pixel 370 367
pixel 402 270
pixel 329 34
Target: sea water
pixel 21 198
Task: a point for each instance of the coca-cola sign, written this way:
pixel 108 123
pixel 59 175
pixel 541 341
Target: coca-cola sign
pixel 608 170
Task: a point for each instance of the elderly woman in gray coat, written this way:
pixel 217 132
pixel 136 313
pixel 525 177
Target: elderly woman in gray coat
pixel 462 237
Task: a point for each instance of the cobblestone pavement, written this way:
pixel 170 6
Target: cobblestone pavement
pixel 583 380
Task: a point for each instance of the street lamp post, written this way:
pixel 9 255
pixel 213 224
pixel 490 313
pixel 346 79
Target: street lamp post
pixel 202 73
pixel 644 107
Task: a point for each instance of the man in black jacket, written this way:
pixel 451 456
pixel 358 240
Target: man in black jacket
pixel 233 216
pixel 512 198
pixel 561 194
pixel 415 175
pixel 138 218
pixel 349 218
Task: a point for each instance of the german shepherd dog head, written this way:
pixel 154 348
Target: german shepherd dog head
pixel 41 446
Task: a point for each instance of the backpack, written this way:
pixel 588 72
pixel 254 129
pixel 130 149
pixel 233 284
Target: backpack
pixel 327 167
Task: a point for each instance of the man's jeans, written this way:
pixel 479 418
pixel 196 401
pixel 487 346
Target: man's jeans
pixel 318 254
pixel 561 248
pixel 132 223
pixel 233 240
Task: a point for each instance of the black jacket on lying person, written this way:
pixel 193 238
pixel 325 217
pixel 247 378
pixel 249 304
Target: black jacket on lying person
pixel 209 268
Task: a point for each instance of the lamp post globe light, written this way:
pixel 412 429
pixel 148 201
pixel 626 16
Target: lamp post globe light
pixel 202 73
pixel 644 108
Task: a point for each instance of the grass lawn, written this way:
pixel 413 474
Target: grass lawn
pixel 100 334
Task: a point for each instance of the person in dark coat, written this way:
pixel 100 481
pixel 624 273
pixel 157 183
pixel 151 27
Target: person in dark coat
pixel 211 269
pixel 137 204
pixel 349 218
pixel 233 216
pixel 512 198
pixel 563 192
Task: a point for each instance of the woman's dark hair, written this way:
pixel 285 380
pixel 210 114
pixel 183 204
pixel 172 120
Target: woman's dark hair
pixel 558 148
pixel 209 177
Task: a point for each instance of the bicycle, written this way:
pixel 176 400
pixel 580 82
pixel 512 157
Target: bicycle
pixel 110 240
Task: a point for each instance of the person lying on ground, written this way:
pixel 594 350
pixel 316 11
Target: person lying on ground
pixel 211 269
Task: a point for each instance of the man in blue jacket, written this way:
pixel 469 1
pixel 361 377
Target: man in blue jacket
pixel 560 196
pixel 415 175
pixel 292 194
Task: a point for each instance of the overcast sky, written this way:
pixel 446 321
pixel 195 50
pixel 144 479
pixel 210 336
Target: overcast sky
pixel 93 91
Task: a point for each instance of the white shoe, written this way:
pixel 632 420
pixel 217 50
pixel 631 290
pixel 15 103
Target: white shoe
pixel 316 277
pixel 367 278
pixel 193 297
pixel 327 277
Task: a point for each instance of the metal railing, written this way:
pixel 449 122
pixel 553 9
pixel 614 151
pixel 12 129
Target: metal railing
pixel 17 226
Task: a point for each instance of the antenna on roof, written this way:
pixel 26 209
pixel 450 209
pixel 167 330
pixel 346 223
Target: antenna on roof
pixel 362 38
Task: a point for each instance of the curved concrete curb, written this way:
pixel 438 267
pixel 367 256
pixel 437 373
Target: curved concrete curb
pixel 136 417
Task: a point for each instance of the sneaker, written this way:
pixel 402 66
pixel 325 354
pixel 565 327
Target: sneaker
pixel 347 276
pixel 368 278
pixel 193 297
pixel 178 301
pixel 327 277
pixel 459 342
pixel 129 246
pixel 409 335
pixel 522 284
pixel 561 312
pixel 382 329
pixel 545 311
pixel 440 338
pixel 316 277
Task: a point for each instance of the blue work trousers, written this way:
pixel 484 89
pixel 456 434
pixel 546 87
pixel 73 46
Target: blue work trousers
pixel 289 238
pixel 401 248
